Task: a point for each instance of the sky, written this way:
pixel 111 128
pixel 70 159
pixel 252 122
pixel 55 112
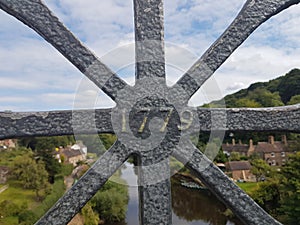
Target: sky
pixel 35 77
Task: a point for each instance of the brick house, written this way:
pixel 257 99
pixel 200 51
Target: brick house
pixel 72 154
pixel 7 144
pixel 239 170
pixel 275 153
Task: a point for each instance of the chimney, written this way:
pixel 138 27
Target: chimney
pixel 233 141
pixel 271 140
pixel 251 148
pixel 251 143
pixel 283 139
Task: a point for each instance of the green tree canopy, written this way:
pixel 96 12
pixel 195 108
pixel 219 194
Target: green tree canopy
pixel 30 174
pixel 294 100
pixel 260 169
pixel 290 190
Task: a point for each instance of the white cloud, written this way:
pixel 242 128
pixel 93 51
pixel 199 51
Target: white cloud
pixel 36 76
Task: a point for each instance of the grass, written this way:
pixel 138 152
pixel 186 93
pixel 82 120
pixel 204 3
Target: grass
pixel 24 197
pixel 12 220
pixel 16 194
pixel 248 187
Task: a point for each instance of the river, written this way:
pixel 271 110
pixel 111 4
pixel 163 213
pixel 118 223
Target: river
pixel 189 206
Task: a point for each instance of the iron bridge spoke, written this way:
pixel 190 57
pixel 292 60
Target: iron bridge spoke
pixel 54 123
pixel 251 119
pixel 80 193
pixel 37 16
pixel 154 192
pixel 149 39
pixel 252 15
pixel 220 184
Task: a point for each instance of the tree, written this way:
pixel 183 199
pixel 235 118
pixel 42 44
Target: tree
pixel 90 217
pixel 30 174
pixel 294 100
pixel 52 166
pixel 290 190
pixel 260 169
pixel 111 202
pixel 265 97
pixel 246 102
pixel 268 196
pixel 235 156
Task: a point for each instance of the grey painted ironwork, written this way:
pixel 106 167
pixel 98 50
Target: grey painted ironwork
pixel 26 124
pixel 154 179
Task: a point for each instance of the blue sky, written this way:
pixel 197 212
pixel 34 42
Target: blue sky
pixel 34 76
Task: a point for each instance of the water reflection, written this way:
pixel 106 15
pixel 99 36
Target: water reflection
pixel 190 206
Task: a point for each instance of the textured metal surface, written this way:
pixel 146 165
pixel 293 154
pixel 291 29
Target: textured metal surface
pixel 246 119
pixel 53 123
pixel 152 144
pixel 149 37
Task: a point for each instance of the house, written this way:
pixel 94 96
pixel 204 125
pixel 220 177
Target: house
pixel 72 154
pixel 8 143
pixel 242 149
pixel 3 174
pixel 275 153
pixel 79 146
pixel 239 170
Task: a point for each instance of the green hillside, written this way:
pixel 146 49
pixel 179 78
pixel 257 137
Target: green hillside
pixel 284 90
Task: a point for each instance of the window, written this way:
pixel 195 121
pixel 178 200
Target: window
pixel 272 154
pixel 273 163
pixel 282 154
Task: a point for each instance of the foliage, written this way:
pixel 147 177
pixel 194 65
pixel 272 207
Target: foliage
pixel 294 100
pixel 108 140
pixel 31 174
pixel 111 202
pixel 90 217
pixel 289 85
pixel 221 157
pixel 235 156
pixel 260 169
pixel 46 142
pixel 9 208
pixel 276 92
pixel 58 189
pixel 268 196
pixel 290 190
pixel 248 103
pixel 27 217
pixel 66 169
pixel 52 166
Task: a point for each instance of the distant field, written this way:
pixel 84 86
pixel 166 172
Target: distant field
pixel 18 195
pixel 248 187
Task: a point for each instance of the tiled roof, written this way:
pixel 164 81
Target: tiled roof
pixel 235 148
pixel 238 165
pixel 71 153
pixel 266 147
